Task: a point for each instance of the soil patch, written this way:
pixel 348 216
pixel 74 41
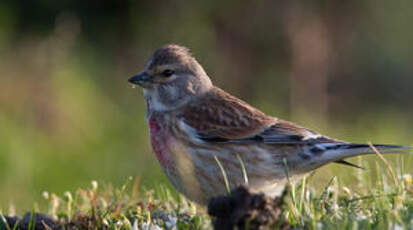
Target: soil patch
pixel 243 209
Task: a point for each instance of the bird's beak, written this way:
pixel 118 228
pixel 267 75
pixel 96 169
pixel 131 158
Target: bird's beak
pixel 143 79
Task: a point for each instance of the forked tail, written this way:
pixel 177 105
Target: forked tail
pixel 323 153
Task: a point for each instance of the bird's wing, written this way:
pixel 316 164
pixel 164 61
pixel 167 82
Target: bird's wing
pixel 284 132
pixel 220 117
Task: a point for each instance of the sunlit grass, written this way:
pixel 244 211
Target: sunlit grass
pixel 387 204
pixel 121 207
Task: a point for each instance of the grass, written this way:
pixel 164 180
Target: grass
pixel 122 208
pixel 388 204
pixel 337 207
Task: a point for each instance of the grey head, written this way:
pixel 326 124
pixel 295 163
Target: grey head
pixel 171 78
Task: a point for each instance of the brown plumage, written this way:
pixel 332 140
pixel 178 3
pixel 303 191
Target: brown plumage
pixel 191 121
pixel 225 116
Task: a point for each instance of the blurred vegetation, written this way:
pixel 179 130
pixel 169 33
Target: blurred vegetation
pixel 67 114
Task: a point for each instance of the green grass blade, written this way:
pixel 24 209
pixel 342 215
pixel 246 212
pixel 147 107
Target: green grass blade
pixel 224 174
pixel 244 170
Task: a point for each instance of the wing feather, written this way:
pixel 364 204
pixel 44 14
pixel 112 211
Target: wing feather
pixel 220 117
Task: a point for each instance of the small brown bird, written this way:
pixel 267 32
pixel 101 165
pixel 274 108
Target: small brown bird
pixel 195 126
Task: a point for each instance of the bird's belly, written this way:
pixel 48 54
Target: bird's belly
pixel 193 170
pixel 264 170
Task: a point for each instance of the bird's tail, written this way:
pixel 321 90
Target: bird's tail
pixel 324 153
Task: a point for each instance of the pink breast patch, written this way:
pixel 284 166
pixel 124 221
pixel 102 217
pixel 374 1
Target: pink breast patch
pixel 159 139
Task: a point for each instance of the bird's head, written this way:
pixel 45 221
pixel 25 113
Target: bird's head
pixel 171 78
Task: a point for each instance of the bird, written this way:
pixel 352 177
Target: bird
pixel 207 140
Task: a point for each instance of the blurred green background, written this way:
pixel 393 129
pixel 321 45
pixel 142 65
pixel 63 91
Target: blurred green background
pixel 68 116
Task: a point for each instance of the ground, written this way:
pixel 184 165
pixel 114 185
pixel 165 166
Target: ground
pixel 387 205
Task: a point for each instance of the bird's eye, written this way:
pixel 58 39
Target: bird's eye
pixel 167 73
